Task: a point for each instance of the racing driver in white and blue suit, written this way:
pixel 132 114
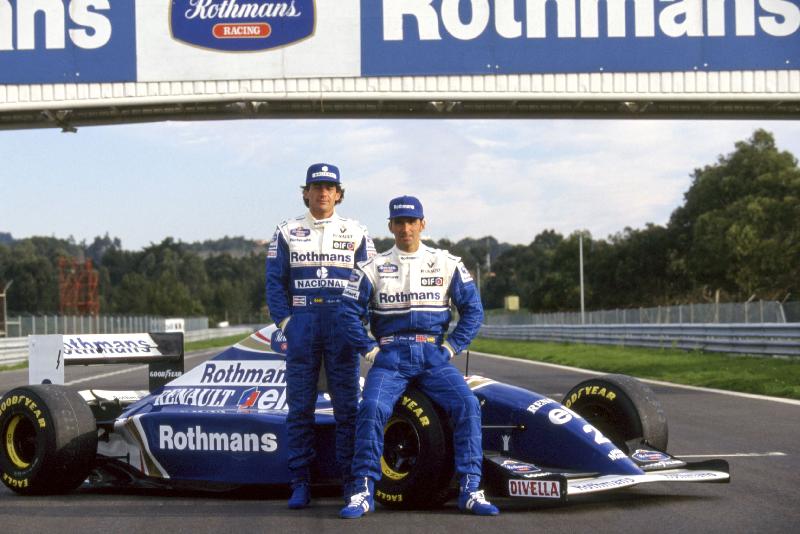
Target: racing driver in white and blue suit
pixel 407 292
pixel 309 261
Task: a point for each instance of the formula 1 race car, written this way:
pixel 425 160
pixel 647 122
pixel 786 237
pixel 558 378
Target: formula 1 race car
pixel 223 425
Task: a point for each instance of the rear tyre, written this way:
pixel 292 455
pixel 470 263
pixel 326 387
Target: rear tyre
pixel 49 439
pixel 622 408
pixel 417 461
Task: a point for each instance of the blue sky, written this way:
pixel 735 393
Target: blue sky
pixel 507 178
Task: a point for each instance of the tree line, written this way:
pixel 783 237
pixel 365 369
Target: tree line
pixel 737 234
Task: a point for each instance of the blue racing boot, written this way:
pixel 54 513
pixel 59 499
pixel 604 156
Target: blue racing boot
pixel 361 500
pixel 471 499
pixel 301 495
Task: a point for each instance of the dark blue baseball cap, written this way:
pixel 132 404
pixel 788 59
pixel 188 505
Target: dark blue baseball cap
pixel 322 172
pixel 405 206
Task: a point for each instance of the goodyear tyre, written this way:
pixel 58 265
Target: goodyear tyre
pixel 49 439
pixel 417 461
pixel 622 408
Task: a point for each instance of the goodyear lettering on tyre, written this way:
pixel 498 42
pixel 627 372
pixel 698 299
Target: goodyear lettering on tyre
pixel 388 497
pixel 15 482
pixel 27 403
pixel 414 408
pixel 591 391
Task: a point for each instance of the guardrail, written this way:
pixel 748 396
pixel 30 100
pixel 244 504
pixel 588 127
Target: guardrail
pixel 778 339
pixel 214 333
pixel 15 349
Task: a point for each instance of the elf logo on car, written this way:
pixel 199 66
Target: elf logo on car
pixel 195 439
pixel 241 25
pixel 561 416
pixel 547 489
pixel 270 399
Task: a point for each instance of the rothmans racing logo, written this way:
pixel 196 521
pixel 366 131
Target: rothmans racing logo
pixel 241 25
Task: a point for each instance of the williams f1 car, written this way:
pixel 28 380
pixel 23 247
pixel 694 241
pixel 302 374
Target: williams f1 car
pixel 223 425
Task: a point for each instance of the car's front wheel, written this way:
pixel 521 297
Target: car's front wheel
pixel 622 408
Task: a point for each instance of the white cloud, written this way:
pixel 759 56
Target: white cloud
pixel 508 178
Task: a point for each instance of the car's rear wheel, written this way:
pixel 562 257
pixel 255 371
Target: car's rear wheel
pixel 417 461
pixel 49 439
pixel 622 408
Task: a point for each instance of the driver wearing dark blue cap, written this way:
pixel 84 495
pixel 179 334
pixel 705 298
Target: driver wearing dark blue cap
pixel 309 261
pixel 407 292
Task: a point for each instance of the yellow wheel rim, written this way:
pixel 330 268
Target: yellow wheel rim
pixel 385 469
pixel 11 448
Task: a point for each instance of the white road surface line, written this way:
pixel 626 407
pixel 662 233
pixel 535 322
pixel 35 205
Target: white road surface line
pixel 646 380
pixel 123 371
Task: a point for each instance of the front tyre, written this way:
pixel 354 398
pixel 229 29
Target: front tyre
pixel 417 461
pixel 49 439
pixel 622 408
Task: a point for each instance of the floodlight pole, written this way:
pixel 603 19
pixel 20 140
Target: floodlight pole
pixel 580 254
pixel 4 331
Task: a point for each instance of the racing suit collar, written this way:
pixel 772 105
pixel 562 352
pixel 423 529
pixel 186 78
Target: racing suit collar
pixel 409 256
pixel 319 222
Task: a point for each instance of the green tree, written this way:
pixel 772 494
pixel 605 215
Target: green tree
pixel 739 228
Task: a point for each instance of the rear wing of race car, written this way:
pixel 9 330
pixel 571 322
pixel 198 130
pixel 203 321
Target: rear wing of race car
pixel 49 354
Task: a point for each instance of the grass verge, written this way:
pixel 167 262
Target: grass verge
pixel 14 366
pixel 214 343
pixel 777 377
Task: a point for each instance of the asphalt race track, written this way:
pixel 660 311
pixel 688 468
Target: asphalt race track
pixel 758 437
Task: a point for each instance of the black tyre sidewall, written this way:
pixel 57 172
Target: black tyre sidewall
pixel 66 439
pixel 426 484
pixel 634 411
pixel 31 408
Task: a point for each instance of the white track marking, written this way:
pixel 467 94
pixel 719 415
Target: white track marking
pixel 646 380
pixel 105 375
pixel 129 370
pixel 732 455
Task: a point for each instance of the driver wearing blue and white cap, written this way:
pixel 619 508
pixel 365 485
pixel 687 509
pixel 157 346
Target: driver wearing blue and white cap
pixel 407 292
pixel 309 261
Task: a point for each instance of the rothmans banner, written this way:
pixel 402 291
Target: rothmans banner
pixel 88 41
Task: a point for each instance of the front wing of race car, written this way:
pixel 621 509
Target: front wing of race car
pixel 512 478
